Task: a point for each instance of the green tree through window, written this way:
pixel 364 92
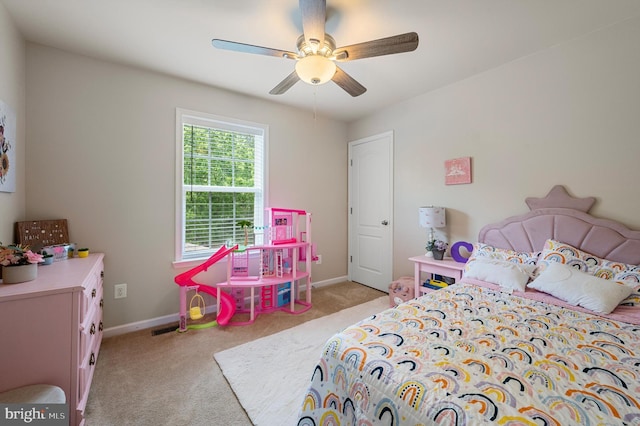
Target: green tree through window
pixel 222 182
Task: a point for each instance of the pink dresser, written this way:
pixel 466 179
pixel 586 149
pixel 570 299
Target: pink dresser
pixel 51 329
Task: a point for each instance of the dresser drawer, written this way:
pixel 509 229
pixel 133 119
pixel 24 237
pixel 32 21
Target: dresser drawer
pixel 92 293
pixel 85 373
pixel 91 329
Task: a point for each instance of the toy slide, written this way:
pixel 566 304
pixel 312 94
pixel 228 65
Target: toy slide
pixel 227 303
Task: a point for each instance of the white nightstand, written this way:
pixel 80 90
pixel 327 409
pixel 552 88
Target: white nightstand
pixel 447 267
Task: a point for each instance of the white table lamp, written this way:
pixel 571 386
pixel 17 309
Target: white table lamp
pixel 432 217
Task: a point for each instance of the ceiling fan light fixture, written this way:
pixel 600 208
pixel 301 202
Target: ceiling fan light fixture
pixel 315 69
pixel 316 52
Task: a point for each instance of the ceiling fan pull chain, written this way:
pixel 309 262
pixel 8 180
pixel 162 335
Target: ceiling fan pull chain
pixel 315 107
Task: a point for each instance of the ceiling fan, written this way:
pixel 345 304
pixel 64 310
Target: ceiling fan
pixel 317 53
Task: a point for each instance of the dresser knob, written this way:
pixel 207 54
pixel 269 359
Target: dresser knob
pixel 93 293
pixel 92 330
pixel 101 326
pixel 92 360
pixel 101 303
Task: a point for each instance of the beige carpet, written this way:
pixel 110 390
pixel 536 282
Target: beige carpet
pixel 270 375
pixel 172 378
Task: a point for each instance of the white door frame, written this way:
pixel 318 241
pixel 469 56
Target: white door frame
pixel 388 267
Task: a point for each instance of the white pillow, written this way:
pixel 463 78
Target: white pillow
pixel 581 289
pixel 510 275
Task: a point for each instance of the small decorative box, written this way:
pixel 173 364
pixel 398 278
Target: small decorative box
pixel 60 251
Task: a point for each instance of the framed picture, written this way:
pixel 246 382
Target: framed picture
pixel 7 148
pixel 457 171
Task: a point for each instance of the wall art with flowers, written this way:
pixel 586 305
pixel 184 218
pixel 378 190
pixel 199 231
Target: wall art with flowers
pixel 7 148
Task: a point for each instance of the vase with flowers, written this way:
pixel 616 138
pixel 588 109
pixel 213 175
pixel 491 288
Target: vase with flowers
pixel 437 247
pixel 19 263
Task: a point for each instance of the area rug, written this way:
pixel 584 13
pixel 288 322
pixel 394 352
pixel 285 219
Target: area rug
pixel 270 375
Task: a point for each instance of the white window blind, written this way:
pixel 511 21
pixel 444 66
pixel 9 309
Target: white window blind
pixel 222 182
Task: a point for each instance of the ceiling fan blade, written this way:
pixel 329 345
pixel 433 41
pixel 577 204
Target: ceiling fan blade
pixel 314 15
pixel 348 83
pixel 384 46
pixel 250 48
pixel 285 84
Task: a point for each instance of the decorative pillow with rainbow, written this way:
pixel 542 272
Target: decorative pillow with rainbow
pixel 491 252
pixel 555 251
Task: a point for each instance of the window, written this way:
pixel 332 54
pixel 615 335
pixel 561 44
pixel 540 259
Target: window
pixel 221 180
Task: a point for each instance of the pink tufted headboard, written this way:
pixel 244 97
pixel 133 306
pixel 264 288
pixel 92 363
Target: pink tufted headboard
pixel 602 237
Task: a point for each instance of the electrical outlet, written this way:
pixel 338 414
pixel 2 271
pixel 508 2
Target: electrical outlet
pixel 319 261
pixel 120 291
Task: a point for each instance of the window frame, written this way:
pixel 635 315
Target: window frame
pixel 185 116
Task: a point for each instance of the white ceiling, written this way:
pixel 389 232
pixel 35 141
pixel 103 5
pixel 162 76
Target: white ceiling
pixel 458 38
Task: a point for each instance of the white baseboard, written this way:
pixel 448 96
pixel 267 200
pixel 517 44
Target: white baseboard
pixel 140 325
pixel 329 282
pixel 168 319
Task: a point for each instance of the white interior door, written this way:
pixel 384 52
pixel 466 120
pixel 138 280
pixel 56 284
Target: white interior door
pixel 371 211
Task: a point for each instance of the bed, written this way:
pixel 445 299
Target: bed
pixel 488 350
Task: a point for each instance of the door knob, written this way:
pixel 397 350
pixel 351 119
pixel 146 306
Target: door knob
pixel 385 223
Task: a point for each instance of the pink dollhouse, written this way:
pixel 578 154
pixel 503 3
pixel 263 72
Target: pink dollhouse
pixel 284 267
pixel 263 278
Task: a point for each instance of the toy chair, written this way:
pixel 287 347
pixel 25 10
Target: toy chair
pixel 196 307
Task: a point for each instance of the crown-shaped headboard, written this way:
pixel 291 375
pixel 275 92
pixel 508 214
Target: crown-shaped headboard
pixel 561 217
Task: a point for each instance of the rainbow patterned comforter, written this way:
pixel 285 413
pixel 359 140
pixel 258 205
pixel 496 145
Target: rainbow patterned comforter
pixel 470 355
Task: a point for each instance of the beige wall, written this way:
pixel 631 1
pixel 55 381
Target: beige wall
pixel 12 93
pixel 567 115
pixel 102 154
